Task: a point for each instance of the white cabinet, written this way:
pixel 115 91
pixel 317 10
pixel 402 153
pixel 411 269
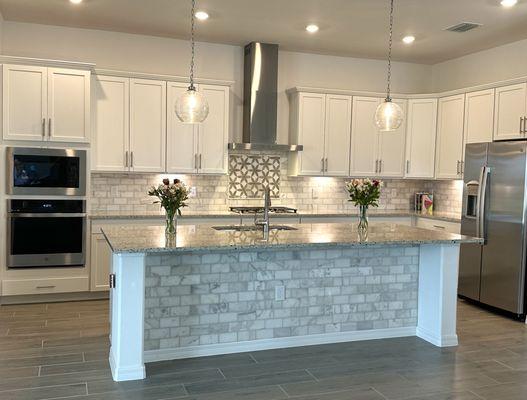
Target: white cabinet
pixel 438 225
pixel 375 153
pixel 321 123
pixel 479 116
pixel 510 110
pixel 46 104
pixel 364 137
pixel 450 123
pixel 129 120
pixel 100 261
pixel 198 148
pixel 421 138
pixel 147 125
pixel 111 123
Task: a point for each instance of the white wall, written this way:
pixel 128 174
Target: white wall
pixel 493 65
pixel 169 56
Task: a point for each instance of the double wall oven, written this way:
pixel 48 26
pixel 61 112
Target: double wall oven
pixel 46 214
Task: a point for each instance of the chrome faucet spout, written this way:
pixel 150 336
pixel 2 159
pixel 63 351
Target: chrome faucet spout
pixel 264 223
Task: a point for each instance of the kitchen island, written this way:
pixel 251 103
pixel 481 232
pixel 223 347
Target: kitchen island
pixel 207 291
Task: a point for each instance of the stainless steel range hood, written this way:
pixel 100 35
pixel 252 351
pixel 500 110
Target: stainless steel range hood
pixel 260 100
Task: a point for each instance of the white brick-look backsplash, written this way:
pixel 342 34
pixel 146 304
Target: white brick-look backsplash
pixel 127 192
pixel 211 298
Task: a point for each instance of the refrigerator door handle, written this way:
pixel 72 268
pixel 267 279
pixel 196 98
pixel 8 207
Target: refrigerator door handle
pixel 480 221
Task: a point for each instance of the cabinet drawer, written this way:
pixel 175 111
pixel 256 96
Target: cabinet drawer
pixel 451 227
pixel 13 287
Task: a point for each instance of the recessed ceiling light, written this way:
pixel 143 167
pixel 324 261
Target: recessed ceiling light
pixel 509 3
pixel 312 28
pixel 409 39
pixel 76 1
pixel 202 15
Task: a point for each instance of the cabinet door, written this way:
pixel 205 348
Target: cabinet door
pixel 111 123
pixel 24 102
pixel 364 137
pixel 68 105
pixel 509 108
pixel 100 260
pixel 337 135
pixel 421 138
pixel 392 148
pixel 147 125
pixel 479 116
pixel 214 131
pixel 182 143
pixel 449 149
pixel 311 120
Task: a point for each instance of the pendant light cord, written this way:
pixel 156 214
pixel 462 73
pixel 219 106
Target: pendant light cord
pixel 388 89
pixel 192 49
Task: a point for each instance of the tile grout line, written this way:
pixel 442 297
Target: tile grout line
pixel 379 393
pixel 475 394
pixel 254 359
pixel 283 390
pixel 311 375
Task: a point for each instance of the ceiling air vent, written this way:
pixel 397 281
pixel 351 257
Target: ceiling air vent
pixel 463 27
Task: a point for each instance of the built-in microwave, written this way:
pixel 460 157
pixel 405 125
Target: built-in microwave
pixel 55 172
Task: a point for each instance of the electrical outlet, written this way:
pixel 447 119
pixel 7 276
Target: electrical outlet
pixel 279 293
pixel 314 194
pixel 193 191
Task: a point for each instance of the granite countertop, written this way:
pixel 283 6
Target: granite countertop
pixel 114 215
pixel 201 237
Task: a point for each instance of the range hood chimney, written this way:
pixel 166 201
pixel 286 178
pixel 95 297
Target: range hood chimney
pixel 260 99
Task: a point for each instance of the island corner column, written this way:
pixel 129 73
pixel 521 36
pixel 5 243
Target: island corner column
pixel 127 307
pixel 437 294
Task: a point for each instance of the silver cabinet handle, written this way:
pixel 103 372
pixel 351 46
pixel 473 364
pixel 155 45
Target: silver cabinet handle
pixel 376 166
pixel 322 162
pixel 524 126
pixel 43 127
pixel 380 166
pixel 521 125
pixel 439 227
pixel 49 127
pixel 126 159
pixel 200 161
pixel 407 166
pixel 462 167
pixel 327 165
pixel 196 165
pixel 46 287
pixel 131 159
pixel 457 168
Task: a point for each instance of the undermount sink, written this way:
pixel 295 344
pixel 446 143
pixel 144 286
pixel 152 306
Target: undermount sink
pixel 249 228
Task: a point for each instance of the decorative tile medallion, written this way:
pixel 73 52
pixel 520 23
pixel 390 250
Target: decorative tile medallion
pixel 249 173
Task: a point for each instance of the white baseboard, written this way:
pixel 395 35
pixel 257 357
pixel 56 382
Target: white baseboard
pixel 276 343
pixel 126 374
pixel 444 341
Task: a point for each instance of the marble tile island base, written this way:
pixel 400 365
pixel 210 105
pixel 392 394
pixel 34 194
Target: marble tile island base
pixel 211 292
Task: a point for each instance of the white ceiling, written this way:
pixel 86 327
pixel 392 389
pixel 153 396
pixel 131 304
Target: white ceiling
pixel 347 27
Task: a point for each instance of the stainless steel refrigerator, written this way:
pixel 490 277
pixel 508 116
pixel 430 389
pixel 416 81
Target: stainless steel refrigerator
pixel 494 208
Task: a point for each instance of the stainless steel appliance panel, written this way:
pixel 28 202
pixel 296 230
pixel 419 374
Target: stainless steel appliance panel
pixel 49 172
pixel 503 256
pixel 470 254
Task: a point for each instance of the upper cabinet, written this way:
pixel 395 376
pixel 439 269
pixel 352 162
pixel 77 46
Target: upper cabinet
pixel 46 104
pixel 510 112
pixel 198 148
pixel 321 123
pixel 421 138
pixel 449 151
pixel 147 125
pixel 479 116
pixel 375 153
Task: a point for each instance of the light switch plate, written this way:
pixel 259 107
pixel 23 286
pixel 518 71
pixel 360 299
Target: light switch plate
pixel 279 293
pixel 193 191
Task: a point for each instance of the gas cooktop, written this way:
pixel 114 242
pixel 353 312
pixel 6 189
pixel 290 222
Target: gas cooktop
pixel 258 210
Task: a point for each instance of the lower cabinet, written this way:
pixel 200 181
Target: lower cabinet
pixel 101 258
pixel 15 287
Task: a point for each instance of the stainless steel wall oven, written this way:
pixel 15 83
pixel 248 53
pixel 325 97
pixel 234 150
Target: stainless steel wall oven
pixel 45 233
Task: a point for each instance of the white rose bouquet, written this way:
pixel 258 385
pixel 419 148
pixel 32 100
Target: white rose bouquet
pixel 171 197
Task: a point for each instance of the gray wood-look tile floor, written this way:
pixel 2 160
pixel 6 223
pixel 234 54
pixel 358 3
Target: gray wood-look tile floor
pixel 60 350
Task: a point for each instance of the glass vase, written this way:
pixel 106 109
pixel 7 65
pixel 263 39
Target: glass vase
pixel 171 222
pixel 363 219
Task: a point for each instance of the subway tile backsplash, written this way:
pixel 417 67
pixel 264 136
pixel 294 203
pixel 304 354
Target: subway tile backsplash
pixel 126 192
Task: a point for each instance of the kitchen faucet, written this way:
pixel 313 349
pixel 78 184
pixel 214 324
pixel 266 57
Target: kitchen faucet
pixel 264 223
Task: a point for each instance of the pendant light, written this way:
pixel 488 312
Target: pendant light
pixel 389 115
pixel 191 106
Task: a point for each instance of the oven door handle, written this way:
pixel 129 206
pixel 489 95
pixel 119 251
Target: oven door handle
pixel 46 215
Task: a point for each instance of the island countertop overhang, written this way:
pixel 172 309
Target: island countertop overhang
pixel 203 238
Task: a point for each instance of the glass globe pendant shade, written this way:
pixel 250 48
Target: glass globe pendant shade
pixel 191 107
pixel 389 116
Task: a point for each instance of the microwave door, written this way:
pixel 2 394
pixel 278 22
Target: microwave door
pixel 470 254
